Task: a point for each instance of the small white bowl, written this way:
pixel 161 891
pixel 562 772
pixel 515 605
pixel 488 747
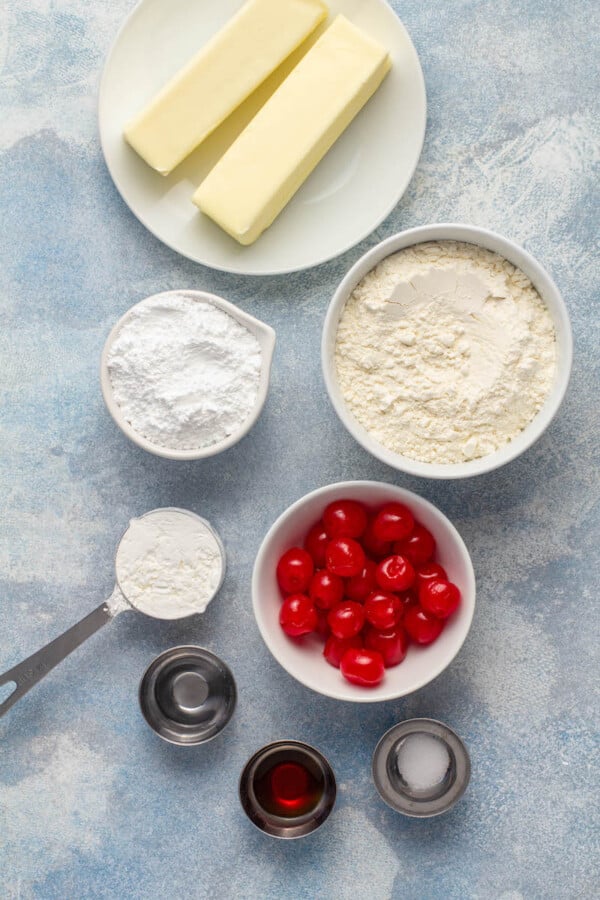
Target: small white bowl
pixel 263 333
pixel 549 294
pixel 304 659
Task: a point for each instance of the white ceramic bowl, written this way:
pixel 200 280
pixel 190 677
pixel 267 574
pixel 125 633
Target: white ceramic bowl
pixel 265 336
pixel 545 287
pixel 304 659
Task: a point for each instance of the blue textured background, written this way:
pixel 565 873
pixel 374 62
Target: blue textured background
pixel 92 804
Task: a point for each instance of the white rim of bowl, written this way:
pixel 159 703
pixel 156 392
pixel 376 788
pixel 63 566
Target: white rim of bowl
pixel 542 282
pixel 407 496
pixel 265 336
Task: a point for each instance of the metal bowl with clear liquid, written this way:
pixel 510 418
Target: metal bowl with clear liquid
pixel 187 695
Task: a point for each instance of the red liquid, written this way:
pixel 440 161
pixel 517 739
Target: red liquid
pixel 288 789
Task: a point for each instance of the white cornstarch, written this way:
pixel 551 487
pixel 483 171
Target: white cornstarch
pixel 184 372
pixel 445 352
pixel 169 564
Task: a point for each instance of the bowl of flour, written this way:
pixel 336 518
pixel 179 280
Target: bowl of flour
pixel 185 374
pixel 446 351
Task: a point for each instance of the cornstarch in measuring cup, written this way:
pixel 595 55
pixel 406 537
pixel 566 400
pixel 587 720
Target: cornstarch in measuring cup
pixel 169 564
pixel 184 373
pixel 422 761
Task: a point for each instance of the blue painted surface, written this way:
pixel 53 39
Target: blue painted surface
pixel 92 804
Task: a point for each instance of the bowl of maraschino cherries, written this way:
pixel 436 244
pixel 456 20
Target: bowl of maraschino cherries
pixel 363 591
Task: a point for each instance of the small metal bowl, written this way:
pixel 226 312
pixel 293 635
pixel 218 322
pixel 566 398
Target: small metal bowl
pixel 426 802
pixel 187 695
pixel 287 752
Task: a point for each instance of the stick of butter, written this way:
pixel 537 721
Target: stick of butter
pixel 262 170
pixel 220 77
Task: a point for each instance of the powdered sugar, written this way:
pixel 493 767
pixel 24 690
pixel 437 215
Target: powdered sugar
pixel 184 372
pixel 445 352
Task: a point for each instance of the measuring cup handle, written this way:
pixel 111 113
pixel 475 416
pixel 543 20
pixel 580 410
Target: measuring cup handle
pixel 33 669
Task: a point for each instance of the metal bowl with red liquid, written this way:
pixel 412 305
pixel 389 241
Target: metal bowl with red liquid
pixel 287 789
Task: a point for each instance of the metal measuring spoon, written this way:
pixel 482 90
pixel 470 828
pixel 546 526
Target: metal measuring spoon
pixel 27 673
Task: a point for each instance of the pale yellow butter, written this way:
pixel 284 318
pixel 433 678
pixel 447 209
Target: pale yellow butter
pixel 262 170
pixel 220 77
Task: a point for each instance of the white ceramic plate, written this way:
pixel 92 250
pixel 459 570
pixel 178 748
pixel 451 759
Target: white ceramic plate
pixel 351 191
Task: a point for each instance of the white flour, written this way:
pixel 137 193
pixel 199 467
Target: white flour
pixel 169 564
pixel 184 373
pixel 445 352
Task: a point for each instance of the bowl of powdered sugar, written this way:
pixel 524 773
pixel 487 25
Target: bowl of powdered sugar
pixel 447 351
pixel 185 374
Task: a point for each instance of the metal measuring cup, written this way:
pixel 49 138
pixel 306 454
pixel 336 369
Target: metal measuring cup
pixel 187 695
pixel 26 674
pixel 270 821
pixel 425 802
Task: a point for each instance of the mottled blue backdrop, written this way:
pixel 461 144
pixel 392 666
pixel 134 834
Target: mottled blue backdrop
pixel 92 804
